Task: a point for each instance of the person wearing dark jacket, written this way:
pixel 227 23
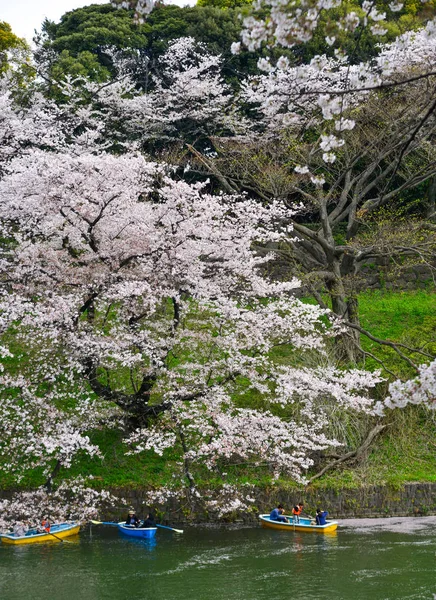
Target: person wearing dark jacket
pixel 321 517
pixel 149 521
pixel 132 519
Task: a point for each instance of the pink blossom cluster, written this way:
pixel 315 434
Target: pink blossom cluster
pixel 230 499
pixel 420 390
pixel 70 501
pixel 327 92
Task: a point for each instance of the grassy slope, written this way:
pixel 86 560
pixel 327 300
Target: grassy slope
pixel 405 453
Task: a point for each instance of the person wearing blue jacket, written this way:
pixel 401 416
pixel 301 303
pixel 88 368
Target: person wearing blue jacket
pixel 277 514
pixel 321 516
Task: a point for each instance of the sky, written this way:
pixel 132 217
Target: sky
pixel 24 16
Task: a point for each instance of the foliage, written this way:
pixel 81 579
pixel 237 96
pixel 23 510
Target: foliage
pixel 15 63
pixel 9 42
pixel 95 28
pixel 223 3
pixel 85 64
pixel 92 27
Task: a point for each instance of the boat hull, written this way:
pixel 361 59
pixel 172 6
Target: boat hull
pixel 59 531
pixel 303 525
pixel 137 532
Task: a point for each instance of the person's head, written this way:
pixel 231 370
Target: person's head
pixel 281 509
pixel 318 510
pixel 131 511
pixel 300 504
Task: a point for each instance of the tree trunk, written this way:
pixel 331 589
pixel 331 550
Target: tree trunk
pixel 431 200
pixel 345 305
pixel 48 483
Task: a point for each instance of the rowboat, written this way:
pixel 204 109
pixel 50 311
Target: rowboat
pixel 303 525
pixel 137 532
pixel 58 531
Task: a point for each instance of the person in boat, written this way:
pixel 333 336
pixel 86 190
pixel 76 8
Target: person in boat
pixel 132 519
pixel 296 512
pixel 45 525
pixel 20 529
pixel 321 517
pixel 277 514
pixel 149 521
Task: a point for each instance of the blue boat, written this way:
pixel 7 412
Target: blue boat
pixel 137 532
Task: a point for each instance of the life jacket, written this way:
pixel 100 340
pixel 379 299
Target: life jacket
pixel 296 510
pixel 46 525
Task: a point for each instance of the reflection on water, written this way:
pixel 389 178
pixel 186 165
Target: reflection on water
pixel 143 543
pixel 387 560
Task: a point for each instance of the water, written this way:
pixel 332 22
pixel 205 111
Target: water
pixel 380 559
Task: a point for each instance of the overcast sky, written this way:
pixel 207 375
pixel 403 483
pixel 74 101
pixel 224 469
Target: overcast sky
pixel 24 16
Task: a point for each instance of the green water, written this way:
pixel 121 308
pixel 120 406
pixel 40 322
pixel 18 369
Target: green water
pixel 388 559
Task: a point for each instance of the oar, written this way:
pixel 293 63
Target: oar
pixel 169 528
pixel 104 522
pixel 58 538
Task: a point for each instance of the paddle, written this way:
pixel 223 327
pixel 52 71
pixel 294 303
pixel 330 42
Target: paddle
pixel 58 538
pixel 169 528
pixel 113 523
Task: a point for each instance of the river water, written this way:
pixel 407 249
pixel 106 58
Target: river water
pixel 370 559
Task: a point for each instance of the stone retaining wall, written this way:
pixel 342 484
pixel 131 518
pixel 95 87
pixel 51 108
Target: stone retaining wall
pixel 413 499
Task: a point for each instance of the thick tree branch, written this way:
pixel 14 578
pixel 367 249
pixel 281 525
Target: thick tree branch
pixel 358 453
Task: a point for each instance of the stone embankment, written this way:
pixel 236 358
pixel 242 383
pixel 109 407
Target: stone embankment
pixel 409 500
pixel 412 499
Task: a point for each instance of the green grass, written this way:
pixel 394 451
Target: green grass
pixel 393 315
pixel 405 317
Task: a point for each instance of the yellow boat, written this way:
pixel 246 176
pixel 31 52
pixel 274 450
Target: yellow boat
pixel 303 525
pixel 58 532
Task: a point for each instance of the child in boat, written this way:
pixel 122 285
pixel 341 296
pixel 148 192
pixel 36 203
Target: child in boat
pixel 277 514
pixel 296 511
pixel 132 519
pixel 321 516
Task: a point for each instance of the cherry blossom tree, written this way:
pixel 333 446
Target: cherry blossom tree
pixel 188 99
pixel 72 500
pixel 141 303
pixel 184 100
pixel 348 140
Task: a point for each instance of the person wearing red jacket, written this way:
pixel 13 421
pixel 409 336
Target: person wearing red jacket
pixel 296 511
